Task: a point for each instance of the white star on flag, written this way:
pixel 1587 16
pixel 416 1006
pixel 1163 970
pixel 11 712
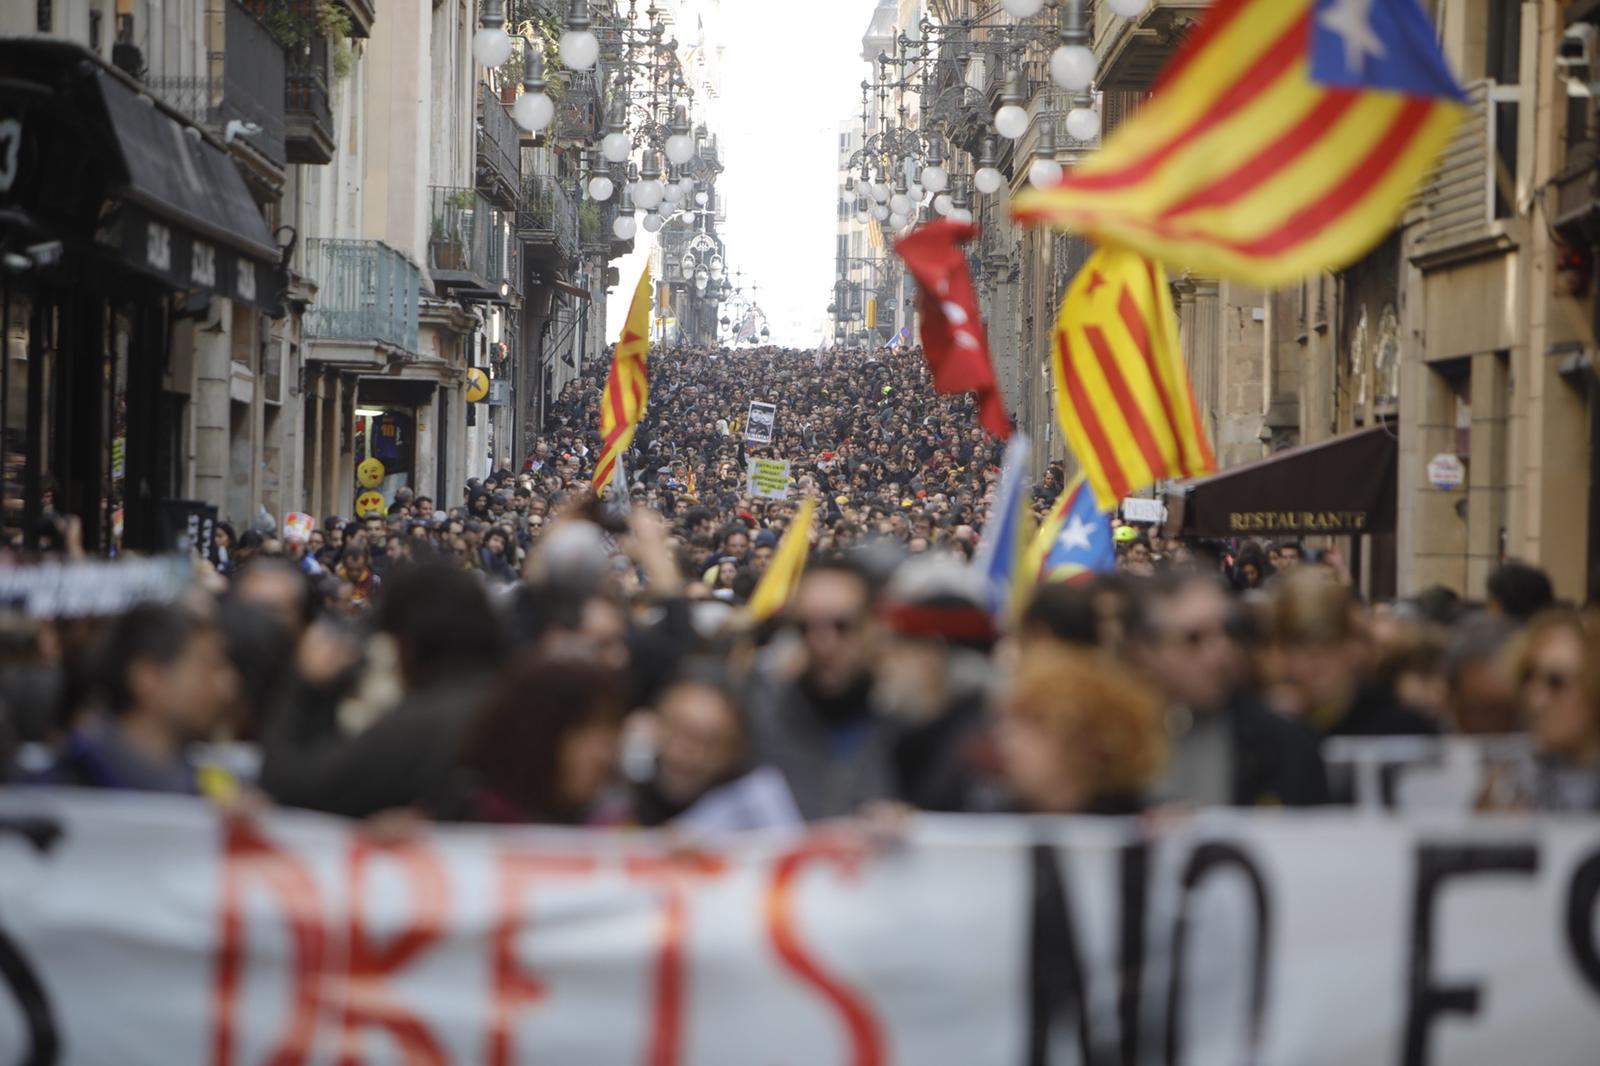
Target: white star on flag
pixel 1352 21
pixel 1076 537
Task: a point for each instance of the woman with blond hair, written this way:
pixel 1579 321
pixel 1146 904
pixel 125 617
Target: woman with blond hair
pixel 1080 734
pixel 1555 666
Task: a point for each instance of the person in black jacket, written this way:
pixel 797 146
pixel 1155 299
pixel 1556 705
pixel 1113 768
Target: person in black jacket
pixel 1228 748
pixel 1322 663
pixel 448 642
pixel 932 678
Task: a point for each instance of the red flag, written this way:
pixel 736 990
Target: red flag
pixel 953 338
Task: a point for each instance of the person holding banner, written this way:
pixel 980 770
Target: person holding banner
pixel 703 775
pixel 1079 735
pixel 543 746
pixel 1556 670
pixel 166 681
pixel 1228 749
pixel 448 642
pixel 821 727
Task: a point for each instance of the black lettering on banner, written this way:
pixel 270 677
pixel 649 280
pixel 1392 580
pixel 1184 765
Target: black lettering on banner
pixel 1135 899
pixel 1207 859
pixel 1056 979
pixel 1581 896
pixel 1435 863
pixel 44 1042
pixel 1055 969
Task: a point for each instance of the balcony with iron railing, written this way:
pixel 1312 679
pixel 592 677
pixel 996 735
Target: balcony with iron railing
pixel 307 109
pixel 245 87
pixel 367 293
pixel 468 243
pixel 499 149
pixel 1048 110
pixel 595 220
pixel 547 218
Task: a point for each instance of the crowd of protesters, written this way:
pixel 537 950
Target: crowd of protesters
pixel 531 653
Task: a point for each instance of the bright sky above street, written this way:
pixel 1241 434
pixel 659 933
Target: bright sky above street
pixel 790 75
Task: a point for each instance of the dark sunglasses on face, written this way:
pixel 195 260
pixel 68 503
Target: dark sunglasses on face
pixel 1198 636
pixel 839 625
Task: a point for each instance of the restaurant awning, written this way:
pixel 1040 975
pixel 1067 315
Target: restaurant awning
pixel 97 158
pixel 1345 485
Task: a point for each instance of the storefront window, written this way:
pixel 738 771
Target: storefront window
pixel 115 492
pixel 15 310
pixel 387 434
pixel 29 407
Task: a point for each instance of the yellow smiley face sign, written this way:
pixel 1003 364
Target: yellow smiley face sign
pixel 369 472
pixel 370 503
pixel 477 386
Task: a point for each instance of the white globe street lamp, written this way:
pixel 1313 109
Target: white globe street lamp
pixel 1083 123
pixel 491 45
pixel 1044 172
pixel 1072 67
pixel 580 48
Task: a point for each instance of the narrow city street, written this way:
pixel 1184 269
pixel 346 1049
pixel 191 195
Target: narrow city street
pixel 718 532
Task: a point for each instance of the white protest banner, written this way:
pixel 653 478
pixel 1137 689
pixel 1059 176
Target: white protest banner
pixel 92 587
pixel 146 930
pixel 769 478
pixel 761 423
pixel 1139 509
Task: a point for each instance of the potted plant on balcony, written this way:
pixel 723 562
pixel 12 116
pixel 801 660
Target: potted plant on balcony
pixel 449 232
pixel 589 222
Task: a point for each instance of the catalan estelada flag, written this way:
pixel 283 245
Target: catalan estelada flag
pixel 1284 138
pixel 777 586
pixel 627 393
pixel 1122 393
pixel 1074 540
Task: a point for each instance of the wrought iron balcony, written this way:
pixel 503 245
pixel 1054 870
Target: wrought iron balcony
pixel 366 292
pixel 248 90
pixel 309 115
pixel 547 218
pixel 468 242
pixel 594 226
pixel 499 149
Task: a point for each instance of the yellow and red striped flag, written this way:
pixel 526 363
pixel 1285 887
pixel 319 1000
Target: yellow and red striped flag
pixel 1285 137
pixel 1122 393
pixel 627 393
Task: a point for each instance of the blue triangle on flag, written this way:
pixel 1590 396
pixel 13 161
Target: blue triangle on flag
pixel 1383 45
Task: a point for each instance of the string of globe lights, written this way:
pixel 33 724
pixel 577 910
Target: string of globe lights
pixel 649 113
pixel 903 170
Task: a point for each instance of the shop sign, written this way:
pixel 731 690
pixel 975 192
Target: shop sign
pixel 1446 472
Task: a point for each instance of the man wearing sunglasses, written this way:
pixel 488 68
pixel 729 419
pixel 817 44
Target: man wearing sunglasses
pixel 820 728
pixel 1228 748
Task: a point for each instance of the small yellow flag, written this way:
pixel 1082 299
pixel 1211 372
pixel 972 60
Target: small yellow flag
pixel 778 584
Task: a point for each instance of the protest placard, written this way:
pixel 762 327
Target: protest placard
pixel 761 423
pixel 769 478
